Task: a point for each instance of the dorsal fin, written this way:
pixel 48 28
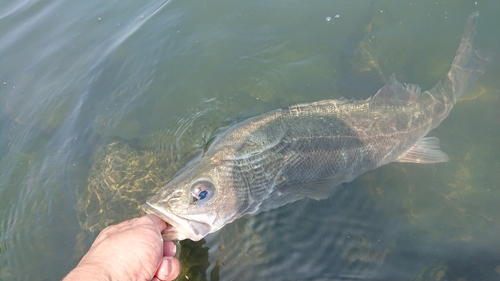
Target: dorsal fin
pixel 393 89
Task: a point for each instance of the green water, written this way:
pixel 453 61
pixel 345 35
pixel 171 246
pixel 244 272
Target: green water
pixel 74 75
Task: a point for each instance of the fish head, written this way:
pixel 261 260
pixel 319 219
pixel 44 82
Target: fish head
pixel 200 200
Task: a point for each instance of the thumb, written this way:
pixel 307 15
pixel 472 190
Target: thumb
pixel 168 269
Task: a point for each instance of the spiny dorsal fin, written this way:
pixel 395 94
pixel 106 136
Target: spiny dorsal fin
pixel 393 89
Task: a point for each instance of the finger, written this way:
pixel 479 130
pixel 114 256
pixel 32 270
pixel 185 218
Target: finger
pixel 168 269
pixel 169 249
pixel 158 222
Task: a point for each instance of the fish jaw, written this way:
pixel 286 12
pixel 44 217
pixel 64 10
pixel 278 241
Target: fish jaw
pixel 181 228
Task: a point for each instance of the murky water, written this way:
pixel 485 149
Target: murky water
pixel 160 77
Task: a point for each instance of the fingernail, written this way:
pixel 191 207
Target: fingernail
pixel 169 269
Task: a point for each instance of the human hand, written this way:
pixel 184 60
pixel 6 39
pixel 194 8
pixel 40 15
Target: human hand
pixel 131 250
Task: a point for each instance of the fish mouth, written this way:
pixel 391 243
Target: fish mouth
pixel 181 228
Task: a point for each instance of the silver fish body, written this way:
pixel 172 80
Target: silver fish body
pixel 308 149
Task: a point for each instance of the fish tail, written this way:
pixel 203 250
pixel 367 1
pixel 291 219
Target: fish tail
pixel 468 64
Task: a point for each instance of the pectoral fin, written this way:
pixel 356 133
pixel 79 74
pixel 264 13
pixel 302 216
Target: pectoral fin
pixel 319 189
pixel 425 151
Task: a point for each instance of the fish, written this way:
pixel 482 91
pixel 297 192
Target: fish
pixel 308 150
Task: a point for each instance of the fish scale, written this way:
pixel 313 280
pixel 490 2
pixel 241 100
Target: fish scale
pixel 308 149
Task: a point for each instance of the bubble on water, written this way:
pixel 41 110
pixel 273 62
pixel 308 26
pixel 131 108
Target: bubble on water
pixel 337 16
pixel 328 18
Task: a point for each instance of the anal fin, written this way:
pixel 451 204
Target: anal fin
pixel 425 151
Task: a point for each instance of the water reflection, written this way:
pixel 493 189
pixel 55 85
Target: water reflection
pixel 332 238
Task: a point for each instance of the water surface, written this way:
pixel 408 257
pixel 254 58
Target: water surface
pixel 76 75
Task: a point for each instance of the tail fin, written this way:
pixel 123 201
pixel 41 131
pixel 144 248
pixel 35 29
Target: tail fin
pixel 465 68
pixel 468 63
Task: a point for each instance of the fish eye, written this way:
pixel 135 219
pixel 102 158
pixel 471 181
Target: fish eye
pixel 202 190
